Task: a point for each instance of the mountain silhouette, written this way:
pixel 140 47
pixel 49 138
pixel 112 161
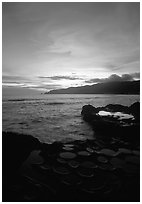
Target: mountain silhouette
pixel 115 87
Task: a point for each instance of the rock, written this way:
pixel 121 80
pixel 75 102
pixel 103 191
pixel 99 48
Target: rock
pixel 136 152
pixel 116 108
pixel 71 180
pixel 86 172
pixel 88 164
pixel 74 164
pixel 16 149
pixel 61 170
pixel 42 168
pixel 117 163
pixel 84 153
pixel 132 159
pixel 89 113
pixel 68 148
pixel 67 155
pixel 130 168
pixel 102 159
pixel 121 121
pixel 69 145
pixel 106 167
pixel 61 161
pixel 134 109
pixel 123 151
pixel 94 184
pixel 107 152
pixel 90 150
pixel 88 109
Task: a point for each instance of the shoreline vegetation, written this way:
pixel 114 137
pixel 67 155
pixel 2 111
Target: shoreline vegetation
pixel 104 169
pixel 119 87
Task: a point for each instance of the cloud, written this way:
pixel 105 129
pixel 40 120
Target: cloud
pixel 12 78
pixel 136 75
pixel 61 77
pixel 29 83
pixel 12 84
pixel 42 86
pixel 115 77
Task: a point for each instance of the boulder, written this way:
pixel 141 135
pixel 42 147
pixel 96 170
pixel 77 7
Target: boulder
pixel 116 108
pixel 111 124
pixel 89 113
pixel 134 109
pixel 15 150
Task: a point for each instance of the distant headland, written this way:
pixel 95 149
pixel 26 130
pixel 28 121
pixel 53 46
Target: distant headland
pixel 125 87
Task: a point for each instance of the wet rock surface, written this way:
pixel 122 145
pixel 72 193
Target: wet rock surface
pixel 99 170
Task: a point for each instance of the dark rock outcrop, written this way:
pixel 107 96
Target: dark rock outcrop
pixel 109 125
pixel 15 150
pixel 116 108
pixel 135 110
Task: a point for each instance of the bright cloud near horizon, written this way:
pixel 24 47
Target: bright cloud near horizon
pixel 56 45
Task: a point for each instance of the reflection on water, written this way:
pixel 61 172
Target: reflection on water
pixel 118 115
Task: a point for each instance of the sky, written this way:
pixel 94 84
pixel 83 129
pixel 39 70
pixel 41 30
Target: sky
pixel 49 46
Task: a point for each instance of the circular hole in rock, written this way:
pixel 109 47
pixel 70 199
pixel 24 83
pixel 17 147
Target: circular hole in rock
pixel 71 180
pixel 73 164
pixel 93 185
pixel 85 172
pixel 61 161
pixel 61 170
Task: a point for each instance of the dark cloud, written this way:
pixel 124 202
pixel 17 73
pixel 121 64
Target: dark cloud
pixel 115 77
pixel 61 77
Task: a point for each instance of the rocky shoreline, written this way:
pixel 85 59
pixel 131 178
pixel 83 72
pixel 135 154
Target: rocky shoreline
pixel 104 169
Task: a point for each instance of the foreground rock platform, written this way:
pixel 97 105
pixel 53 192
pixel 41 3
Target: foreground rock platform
pixel 92 170
pixel 114 120
pixel 87 172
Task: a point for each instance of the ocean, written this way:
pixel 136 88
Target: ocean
pixel 55 117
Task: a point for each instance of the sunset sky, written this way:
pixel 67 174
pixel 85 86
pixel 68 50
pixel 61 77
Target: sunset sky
pixel 56 45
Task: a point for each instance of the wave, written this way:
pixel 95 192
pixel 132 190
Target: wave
pixel 45 103
pixel 23 100
pixel 54 103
